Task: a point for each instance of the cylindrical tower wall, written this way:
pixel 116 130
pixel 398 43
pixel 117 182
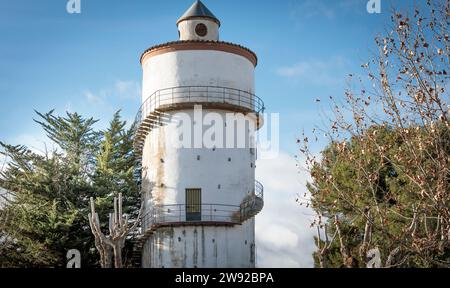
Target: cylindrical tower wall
pixel 224 175
pixel 197 68
pixel 201 247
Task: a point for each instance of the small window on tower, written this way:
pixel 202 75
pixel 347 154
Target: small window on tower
pixel 201 30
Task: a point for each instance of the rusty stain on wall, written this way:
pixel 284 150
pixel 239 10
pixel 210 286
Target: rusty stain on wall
pixel 215 254
pixel 158 193
pixel 174 257
pixel 185 252
pixel 203 246
pixel 195 242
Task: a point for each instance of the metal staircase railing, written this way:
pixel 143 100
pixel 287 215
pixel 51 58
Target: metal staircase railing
pixel 210 214
pixel 151 113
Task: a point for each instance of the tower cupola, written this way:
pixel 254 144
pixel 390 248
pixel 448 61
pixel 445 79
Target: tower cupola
pixel 198 23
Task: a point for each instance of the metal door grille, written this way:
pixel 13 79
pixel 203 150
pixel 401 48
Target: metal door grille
pixel 193 204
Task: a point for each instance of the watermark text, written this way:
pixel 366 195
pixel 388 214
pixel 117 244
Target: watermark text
pixel 73 6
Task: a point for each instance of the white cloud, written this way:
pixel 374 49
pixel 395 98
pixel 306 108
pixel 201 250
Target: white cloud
pixel 312 9
pixel 69 107
pixel 305 10
pixel 317 72
pixel 36 143
pixel 3 162
pixel 128 89
pixel 5 197
pixel 120 89
pixel 358 7
pixel 283 234
pixel 96 99
pixel 278 237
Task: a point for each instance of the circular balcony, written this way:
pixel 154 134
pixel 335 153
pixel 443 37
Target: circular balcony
pixel 151 113
pixel 203 214
pixel 183 214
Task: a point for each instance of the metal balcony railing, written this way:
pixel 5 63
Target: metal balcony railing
pixel 151 112
pixel 253 204
pixel 259 190
pixel 239 99
pixel 182 214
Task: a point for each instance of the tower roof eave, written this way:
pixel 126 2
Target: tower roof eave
pixel 202 45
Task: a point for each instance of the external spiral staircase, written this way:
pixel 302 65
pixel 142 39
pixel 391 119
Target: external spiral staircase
pixel 151 115
pixel 212 214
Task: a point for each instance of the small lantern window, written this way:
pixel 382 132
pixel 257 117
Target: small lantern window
pixel 201 30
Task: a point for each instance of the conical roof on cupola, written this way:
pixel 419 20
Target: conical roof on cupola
pixel 198 10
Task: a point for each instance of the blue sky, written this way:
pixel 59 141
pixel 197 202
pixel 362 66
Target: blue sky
pixel 89 63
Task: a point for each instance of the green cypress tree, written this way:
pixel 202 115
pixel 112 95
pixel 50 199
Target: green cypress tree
pixel 48 215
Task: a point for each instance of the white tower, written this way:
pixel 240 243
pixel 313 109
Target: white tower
pixel 200 201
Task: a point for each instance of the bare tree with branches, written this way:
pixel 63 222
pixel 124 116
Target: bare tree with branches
pixel 383 181
pixel 110 246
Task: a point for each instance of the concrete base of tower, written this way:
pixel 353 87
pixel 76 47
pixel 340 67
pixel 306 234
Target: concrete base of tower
pixel 201 247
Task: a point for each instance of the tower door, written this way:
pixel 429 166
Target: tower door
pixel 193 204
